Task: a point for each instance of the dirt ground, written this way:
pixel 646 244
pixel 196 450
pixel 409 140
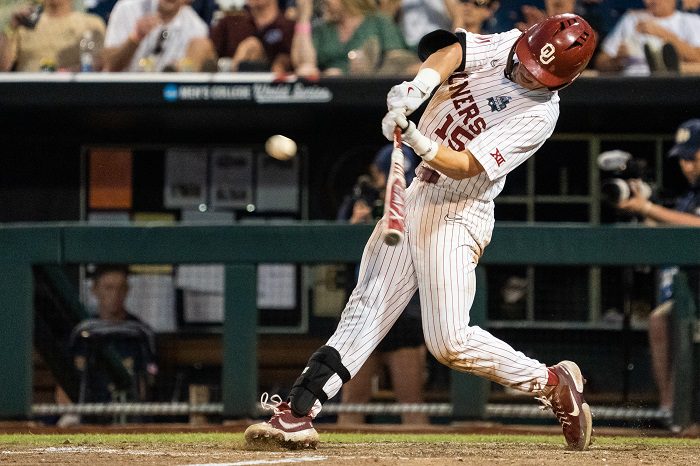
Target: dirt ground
pixel 389 454
pixel 631 451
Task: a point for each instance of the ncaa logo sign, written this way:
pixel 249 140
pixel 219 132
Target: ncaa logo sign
pixel 547 53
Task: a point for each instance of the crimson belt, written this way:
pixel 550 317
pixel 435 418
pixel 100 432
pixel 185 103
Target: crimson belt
pixel 426 174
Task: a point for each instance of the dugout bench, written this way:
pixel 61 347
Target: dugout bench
pixel 240 248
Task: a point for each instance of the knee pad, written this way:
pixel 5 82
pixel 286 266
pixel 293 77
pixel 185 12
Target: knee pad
pixel 309 386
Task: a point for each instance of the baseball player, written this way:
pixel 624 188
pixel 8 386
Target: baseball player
pixel 495 103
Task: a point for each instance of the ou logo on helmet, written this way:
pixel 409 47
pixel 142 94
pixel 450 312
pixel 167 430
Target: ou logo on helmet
pixel 547 53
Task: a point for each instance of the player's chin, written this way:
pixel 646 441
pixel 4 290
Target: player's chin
pixel 530 85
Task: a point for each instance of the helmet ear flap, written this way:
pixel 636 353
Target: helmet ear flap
pixel 510 63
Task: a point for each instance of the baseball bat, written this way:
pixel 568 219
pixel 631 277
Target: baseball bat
pixel 394 220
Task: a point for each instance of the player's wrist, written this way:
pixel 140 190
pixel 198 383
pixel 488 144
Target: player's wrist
pixel 422 145
pixel 427 80
pixel 431 151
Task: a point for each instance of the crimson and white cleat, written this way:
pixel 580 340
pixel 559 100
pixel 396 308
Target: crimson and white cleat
pixel 283 429
pixel 567 403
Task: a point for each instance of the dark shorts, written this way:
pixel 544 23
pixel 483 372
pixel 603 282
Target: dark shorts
pixel 407 332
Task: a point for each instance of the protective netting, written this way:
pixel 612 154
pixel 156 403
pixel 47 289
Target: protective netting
pixel 493 411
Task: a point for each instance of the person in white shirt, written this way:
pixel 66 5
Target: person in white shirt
pixel 660 23
pixel 156 35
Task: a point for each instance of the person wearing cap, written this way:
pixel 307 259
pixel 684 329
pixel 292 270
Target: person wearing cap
pixel 686 212
pixel 402 351
pixel 687 208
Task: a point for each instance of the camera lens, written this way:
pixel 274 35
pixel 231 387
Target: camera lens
pixel 614 191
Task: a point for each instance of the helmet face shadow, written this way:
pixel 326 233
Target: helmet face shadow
pixel 554 51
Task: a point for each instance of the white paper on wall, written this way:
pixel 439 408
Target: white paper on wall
pixel 231 178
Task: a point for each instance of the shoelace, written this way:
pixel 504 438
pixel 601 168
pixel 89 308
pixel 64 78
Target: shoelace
pixel 276 399
pixel 559 413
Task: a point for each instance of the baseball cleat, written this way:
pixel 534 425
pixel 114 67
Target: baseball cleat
pixel 567 403
pixel 283 429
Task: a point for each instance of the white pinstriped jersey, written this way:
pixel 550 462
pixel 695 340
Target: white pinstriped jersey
pixel 449 223
pixel 500 122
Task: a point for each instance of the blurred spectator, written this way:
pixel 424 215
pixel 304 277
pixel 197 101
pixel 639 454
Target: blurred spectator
pixel 533 15
pixel 353 38
pixel 113 326
pixel 419 17
pixel 157 35
pixel 101 8
pixel 259 38
pixel 402 351
pixel 654 39
pixel 474 15
pixel 686 212
pixel 691 6
pixel 206 9
pixel 600 14
pixel 49 40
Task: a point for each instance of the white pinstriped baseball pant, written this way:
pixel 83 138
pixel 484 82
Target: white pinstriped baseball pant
pixel 438 255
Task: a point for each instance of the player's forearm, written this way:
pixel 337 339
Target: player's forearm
pixel 456 165
pixel 445 61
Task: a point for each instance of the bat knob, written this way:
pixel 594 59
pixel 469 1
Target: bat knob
pixel 393 237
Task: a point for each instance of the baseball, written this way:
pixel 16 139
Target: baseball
pixel 280 147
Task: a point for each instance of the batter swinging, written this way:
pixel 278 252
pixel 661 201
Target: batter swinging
pixel 495 105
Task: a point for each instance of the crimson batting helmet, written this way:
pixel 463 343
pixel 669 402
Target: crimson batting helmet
pixel 556 50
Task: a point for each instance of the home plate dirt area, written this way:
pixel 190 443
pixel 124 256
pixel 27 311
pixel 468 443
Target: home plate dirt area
pixel 493 445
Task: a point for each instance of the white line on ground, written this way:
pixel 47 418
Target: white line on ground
pixel 301 459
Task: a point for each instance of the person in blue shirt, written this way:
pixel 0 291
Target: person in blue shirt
pixel 685 212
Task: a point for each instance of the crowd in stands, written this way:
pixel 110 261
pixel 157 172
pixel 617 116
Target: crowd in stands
pixel 319 37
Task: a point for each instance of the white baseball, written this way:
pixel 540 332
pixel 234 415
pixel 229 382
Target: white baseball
pixel 281 147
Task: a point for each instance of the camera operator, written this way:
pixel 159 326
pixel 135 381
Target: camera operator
pixel 687 207
pixel 686 212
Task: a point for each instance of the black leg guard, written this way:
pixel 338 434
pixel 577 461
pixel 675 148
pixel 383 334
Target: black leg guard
pixel 309 386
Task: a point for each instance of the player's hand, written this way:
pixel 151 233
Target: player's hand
pixel 408 96
pixel 410 135
pixel 389 123
pixel 405 98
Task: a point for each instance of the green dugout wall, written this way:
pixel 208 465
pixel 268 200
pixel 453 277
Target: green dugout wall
pixel 240 248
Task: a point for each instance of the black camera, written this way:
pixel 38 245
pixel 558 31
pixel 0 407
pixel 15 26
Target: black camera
pixel 365 191
pixel 622 168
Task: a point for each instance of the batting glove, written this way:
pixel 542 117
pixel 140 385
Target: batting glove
pixel 422 145
pixel 408 96
pixel 389 124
